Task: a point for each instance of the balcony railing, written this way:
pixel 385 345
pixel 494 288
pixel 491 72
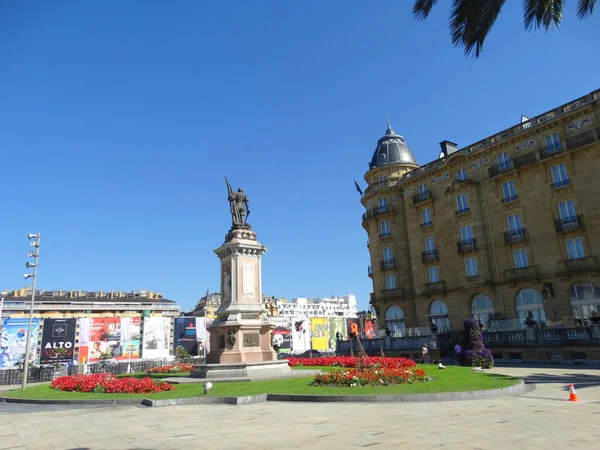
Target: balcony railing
pixel 580 140
pixel 432 288
pixel 520 338
pixel 466 246
pixel 386 264
pixel 501 168
pixel 380 185
pixel 521 272
pixel 512 236
pixel 370 271
pixel 426 224
pixel 550 150
pixel 560 184
pixel 525 160
pixel 370 214
pixel 510 199
pixel 460 212
pixel 567 224
pixel 422 197
pixel 385 235
pixel 397 292
pixel 429 255
pixel 578 265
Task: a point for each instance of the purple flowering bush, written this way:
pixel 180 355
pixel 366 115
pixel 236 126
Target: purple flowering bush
pixel 475 354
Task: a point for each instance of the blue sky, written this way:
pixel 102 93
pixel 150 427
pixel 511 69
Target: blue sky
pixel 120 119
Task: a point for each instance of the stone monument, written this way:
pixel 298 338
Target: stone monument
pixel 241 336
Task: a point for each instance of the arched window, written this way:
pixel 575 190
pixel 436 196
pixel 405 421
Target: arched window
pixel 438 315
pixel 585 299
pixel 394 320
pixel 481 309
pixel 529 303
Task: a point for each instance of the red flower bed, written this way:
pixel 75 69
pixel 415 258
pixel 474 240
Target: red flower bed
pixel 175 368
pixel 351 361
pixel 108 383
pixel 369 377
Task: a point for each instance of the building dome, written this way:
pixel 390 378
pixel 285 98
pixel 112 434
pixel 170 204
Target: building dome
pixel 391 149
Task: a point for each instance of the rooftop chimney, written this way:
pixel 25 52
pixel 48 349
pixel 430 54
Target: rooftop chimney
pixel 447 148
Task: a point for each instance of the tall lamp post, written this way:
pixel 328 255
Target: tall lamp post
pixel 35 255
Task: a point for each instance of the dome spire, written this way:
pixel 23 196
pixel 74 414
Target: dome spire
pixel 389 127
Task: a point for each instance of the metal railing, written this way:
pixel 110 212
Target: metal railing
pixel 525 160
pixel 538 336
pixel 518 235
pixel 460 212
pixel 550 150
pixel 567 224
pixel 466 245
pixel 510 199
pixel 431 288
pixel 391 293
pixel 422 197
pixel 385 264
pixel 426 224
pixel 385 235
pixel 429 255
pixel 370 271
pixel 501 168
pixel 580 140
pixel 521 272
pixel 579 264
pixel 560 184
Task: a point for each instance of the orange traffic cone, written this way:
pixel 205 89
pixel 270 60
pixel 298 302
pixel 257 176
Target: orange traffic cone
pixel 572 395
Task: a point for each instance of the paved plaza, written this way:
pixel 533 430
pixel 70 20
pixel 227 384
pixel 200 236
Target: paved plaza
pixel 540 419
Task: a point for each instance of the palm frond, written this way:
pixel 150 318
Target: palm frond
pixel 422 8
pixel 471 22
pixel 542 13
pixel 585 8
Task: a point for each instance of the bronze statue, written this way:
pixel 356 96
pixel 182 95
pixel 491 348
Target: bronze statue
pixel 238 205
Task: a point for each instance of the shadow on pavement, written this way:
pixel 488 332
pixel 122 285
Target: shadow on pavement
pixel 580 380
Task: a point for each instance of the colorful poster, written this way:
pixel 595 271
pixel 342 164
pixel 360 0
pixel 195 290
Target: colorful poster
pixel 185 335
pixel 58 341
pixel 112 338
pixel 369 329
pixel 156 337
pixel 300 334
pixel 353 327
pixel 320 333
pixel 336 325
pixel 85 324
pixel 282 338
pixel 14 339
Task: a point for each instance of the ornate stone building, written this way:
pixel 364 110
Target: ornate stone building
pixel 501 230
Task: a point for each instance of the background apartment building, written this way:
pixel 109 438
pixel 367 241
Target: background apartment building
pixel 501 230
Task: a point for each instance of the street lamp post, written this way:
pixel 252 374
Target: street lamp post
pixel 33 254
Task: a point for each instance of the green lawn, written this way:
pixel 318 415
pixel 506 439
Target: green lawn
pixel 454 379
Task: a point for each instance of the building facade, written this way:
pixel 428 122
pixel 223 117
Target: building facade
pixel 318 307
pixel 501 230
pixel 207 306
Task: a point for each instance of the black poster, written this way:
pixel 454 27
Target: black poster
pixel 185 334
pixel 58 334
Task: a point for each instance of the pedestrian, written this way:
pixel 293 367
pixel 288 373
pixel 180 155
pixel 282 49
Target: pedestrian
pixel 425 353
pixel 457 349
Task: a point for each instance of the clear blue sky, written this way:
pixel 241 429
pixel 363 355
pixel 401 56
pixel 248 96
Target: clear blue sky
pixel 120 119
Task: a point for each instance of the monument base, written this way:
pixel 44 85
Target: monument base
pixel 251 370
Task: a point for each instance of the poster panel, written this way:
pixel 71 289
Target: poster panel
pixel 112 338
pixel 130 338
pixel 353 327
pixel 320 333
pixel 156 337
pixel 300 334
pixel 369 329
pixel 13 341
pixel 282 338
pixel 185 335
pixel 336 325
pixel 58 341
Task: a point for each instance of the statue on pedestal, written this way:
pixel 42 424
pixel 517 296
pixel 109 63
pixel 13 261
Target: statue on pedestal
pixel 239 207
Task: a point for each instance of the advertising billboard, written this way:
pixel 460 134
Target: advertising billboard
pixel 185 334
pixel 320 333
pixel 300 334
pixel 109 338
pixel 156 337
pixel 282 340
pixel 58 341
pixel 336 325
pixel 13 341
pixel 353 327
pixel 369 329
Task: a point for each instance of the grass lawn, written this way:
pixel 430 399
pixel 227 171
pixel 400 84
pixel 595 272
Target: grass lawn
pixel 453 379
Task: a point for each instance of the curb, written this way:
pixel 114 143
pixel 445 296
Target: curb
pixel 517 389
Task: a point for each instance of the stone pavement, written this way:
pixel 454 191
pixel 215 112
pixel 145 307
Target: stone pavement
pixel 537 420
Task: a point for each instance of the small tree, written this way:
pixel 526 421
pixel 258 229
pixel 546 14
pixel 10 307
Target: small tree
pixel 181 352
pixel 475 354
pixel 58 352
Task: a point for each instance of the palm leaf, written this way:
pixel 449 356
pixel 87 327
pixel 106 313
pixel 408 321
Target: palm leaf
pixel 542 13
pixel 471 22
pixel 422 8
pixel 585 8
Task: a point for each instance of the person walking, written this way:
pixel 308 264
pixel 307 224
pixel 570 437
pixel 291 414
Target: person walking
pixel 425 354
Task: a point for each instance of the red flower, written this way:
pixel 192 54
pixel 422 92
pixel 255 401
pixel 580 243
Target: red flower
pixel 107 382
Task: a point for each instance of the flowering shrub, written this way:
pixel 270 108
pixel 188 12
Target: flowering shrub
pixel 475 354
pixel 352 361
pixel 372 376
pixel 175 368
pixel 108 383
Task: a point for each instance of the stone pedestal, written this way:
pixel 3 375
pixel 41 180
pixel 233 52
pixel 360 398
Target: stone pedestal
pixel 242 333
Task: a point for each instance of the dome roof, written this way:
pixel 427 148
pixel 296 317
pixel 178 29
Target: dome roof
pixel 391 149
